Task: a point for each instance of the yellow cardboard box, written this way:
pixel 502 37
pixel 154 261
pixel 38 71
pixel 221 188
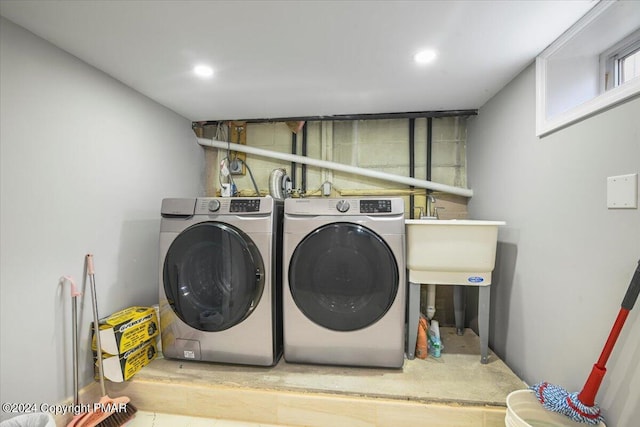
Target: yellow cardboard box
pixel 127 329
pixel 121 368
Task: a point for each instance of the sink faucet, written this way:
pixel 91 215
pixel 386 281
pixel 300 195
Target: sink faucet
pixel 431 211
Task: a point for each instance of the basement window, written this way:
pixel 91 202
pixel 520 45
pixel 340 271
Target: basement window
pixel 630 66
pixel 621 63
pixel 590 68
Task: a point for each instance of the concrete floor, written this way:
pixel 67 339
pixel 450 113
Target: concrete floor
pixel 457 376
pixel 455 389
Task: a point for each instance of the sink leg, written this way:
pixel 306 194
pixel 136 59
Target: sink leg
pixel 484 301
pixel 459 307
pixel 413 317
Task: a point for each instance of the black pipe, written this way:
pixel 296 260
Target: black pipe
pixel 429 150
pixel 294 150
pixel 303 167
pixel 412 162
pixel 340 117
pixel 429 146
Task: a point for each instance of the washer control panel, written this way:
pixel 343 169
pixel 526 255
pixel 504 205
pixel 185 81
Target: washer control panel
pixel 375 206
pixel 244 205
pixel 214 206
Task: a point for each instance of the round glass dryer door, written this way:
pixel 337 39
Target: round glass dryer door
pixel 213 276
pixel 343 276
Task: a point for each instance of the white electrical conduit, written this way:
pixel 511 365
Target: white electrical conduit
pixel 430 185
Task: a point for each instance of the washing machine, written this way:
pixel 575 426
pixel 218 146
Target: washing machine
pixel 344 287
pixel 220 279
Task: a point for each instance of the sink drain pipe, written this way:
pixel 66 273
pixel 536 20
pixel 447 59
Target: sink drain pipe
pixel 435 186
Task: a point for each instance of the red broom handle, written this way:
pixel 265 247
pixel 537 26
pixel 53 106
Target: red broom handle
pixel 588 394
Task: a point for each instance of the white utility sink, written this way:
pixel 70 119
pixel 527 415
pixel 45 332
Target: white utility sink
pixel 453 252
pixel 459 252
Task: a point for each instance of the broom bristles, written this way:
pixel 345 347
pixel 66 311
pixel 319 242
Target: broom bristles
pixel 119 418
pixel 108 412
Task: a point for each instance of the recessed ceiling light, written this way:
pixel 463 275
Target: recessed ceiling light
pixel 425 56
pixel 203 71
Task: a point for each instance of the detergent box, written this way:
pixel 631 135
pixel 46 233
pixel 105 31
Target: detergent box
pixel 126 330
pixel 122 367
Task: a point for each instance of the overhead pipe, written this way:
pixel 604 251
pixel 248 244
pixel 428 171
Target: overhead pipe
pixel 458 191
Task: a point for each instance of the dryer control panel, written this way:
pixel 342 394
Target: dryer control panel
pixel 375 206
pixel 348 206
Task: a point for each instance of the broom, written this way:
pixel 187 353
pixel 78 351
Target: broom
pixel 581 407
pixel 108 412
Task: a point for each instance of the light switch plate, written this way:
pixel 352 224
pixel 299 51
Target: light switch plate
pixel 622 191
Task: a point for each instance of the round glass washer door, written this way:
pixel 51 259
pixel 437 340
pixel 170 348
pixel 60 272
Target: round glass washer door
pixel 343 276
pixel 213 276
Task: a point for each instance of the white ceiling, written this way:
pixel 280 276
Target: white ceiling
pixel 277 59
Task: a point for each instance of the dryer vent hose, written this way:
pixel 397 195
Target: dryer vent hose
pixel 279 184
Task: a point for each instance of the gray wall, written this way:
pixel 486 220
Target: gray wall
pixel 564 260
pixel 85 162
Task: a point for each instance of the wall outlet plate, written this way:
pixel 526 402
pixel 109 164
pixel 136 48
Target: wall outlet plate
pixel 622 191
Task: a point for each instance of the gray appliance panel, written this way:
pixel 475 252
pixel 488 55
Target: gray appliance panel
pixel 257 339
pixel 380 344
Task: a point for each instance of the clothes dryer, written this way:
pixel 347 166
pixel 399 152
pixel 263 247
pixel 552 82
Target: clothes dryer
pixel 220 280
pixel 344 284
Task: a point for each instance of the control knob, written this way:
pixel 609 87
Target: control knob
pixel 342 206
pixel 214 205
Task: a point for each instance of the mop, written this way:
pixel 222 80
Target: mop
pixel 581 407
